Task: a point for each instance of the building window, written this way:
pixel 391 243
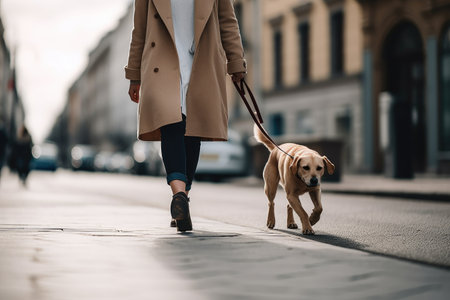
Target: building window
pixel 305 122
pixel 278 58
pixel 276 124
pixel 444 80
pixel 303 34
pixel 337 42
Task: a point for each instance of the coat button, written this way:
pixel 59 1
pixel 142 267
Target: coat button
pixel 245 65
pixel 156 16
pixel 153 44
pixel 156 70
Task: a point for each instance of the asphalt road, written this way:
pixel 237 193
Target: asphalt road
pixel 412 230
pixel 407 229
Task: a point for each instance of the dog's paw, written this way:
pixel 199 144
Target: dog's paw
pixel 308 231
pixel 270 224
pixel 292 226
pixel 314 218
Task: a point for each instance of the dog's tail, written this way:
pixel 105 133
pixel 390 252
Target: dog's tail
pixel 260 137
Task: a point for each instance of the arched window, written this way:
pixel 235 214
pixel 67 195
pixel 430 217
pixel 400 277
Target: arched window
pixel 444 80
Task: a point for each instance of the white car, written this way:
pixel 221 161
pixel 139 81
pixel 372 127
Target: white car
pixel 222 159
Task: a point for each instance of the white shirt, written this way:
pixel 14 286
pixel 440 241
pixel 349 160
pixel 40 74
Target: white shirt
pixel 183 26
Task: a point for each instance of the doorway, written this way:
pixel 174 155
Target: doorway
pixel 404 79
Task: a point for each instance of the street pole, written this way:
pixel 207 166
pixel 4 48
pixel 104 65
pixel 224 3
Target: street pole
pixel 256 74
pixel 256 50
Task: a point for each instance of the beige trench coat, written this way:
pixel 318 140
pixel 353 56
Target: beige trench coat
pixel 153 59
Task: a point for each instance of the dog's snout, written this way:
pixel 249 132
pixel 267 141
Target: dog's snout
pixel 314 181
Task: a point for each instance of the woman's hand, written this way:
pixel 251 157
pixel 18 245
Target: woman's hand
pixel 237 77
pixel 133 91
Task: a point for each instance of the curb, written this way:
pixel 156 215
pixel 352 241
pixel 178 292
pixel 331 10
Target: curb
pixel 438 197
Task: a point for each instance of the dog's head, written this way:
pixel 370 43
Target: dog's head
pixel 310 168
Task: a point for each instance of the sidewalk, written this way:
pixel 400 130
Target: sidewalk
pixel 421 188
pixel 55 245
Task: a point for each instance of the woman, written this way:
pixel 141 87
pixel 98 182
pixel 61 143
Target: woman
pixel 21 154
pixel 180 53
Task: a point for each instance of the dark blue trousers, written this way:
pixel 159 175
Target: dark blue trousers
pixel 180 153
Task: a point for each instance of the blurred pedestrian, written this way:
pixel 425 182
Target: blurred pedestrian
pixel 180 53
pixel 21 154
pixel 3 144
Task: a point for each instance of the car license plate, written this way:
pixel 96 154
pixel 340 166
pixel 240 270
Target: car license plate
pixel 209 157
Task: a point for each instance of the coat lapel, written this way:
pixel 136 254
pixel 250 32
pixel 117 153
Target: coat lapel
pixel 165 12
pixel 202 11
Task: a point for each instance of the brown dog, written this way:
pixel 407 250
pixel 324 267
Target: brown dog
pixel 297 176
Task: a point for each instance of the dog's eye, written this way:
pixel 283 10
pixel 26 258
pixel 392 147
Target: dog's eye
pixel 306 168
pixel 319 168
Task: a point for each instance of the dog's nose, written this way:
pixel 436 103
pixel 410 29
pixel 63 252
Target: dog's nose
pixel 314 181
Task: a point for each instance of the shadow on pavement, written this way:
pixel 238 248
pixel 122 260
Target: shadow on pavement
pixel 221 265
pixel 234 266
pixel 328 239
pixel 351 244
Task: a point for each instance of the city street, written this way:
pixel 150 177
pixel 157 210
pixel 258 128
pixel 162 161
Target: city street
pixel 416 230
pixel 365 84
pixel 107 236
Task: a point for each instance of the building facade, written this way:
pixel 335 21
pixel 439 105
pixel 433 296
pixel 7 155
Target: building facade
pixel 370 73
pixel 309 71
pixel 406 66
pixel 5 76
pixel 98 111
pixel 12 113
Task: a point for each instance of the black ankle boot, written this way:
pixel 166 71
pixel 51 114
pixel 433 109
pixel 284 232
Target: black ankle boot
pixel 179 208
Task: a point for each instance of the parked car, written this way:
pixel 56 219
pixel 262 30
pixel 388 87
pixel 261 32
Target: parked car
pixel 45 157
pixel 102 160
pixel 83 157
pixel 222 159
pixel 120 162
pixel 147 158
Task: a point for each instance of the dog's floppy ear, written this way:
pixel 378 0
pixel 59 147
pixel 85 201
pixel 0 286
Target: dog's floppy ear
pixel 294 165
pixel 329 164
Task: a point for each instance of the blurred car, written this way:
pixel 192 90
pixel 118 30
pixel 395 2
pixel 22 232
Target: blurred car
pixel 222 159
pixel 45 157
pixel 120 162
pixel 83 157
pixel 147 158
pixel 102 160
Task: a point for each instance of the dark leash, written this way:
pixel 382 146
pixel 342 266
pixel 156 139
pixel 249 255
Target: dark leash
pixel 254 112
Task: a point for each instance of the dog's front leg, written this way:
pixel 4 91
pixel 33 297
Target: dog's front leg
pixel 317 210
pixel 271 216
pixel 290 218
pixel 294 202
